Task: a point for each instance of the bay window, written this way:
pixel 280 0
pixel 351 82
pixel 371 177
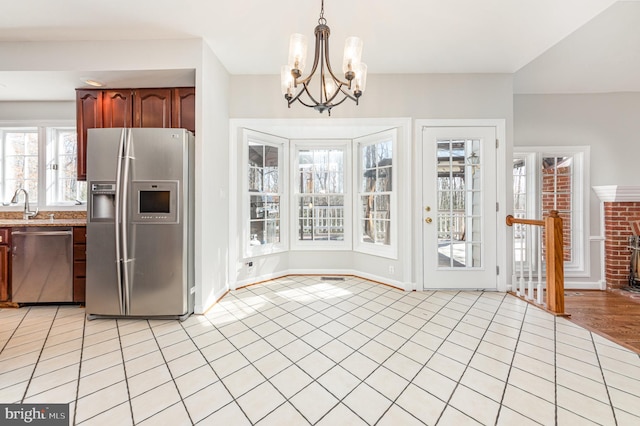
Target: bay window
pixel 329 194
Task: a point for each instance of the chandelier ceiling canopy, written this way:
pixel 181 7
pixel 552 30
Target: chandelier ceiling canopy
pixel 328 90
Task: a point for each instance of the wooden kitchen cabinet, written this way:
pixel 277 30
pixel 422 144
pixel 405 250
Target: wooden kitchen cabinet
pixel 5 265
pixel 88 116
pixel 153 107
pixel 79 263
pixel 183 109
pixel 117 108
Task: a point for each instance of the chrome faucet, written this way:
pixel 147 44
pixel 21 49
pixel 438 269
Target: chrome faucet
pixel 27 214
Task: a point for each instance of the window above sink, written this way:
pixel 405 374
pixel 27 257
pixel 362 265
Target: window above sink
pixel 41 158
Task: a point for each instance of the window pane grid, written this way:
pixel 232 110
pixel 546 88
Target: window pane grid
pixel 20 162
pixel 320 198
pixel 264 196
pixel 376 190
pixel 459 203
pixel 557 194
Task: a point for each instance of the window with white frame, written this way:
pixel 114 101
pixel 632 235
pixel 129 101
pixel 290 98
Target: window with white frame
pixel 20 162
pixel 375 199
pixel 62 166
pixel 320 207
pixel 41 160
pixel 265 186
pixel 553 178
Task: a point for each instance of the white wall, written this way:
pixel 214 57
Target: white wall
pixel 472 96
pixel 212 180
pixel 607 123
pixel 387 95
pixel 20 111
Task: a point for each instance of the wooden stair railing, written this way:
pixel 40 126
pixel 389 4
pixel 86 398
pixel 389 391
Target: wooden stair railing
pixel 554 258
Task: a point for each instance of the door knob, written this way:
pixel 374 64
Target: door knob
pixel 428 209
pixel 428 220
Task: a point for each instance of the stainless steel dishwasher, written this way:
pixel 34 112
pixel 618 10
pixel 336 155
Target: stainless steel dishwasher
pixel 42 264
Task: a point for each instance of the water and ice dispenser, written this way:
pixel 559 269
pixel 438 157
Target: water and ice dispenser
pixel 103 202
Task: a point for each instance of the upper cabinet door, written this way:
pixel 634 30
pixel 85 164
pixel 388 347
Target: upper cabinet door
pixel 117 107
pixel 88 116
pixel 152 108
pixel 183 111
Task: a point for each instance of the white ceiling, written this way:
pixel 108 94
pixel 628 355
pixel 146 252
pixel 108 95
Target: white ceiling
pixel 560 46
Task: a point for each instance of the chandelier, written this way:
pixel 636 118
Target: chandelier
pixel 329 90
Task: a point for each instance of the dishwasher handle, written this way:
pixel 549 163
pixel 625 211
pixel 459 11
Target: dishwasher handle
pixel 42 233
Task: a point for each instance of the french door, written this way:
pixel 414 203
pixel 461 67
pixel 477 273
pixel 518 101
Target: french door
pixel 459 208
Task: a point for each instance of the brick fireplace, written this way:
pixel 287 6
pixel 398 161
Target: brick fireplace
pixel 621 206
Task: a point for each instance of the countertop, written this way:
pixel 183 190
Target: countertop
pixel 42 222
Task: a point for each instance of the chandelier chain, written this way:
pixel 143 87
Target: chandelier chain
pixel 322 20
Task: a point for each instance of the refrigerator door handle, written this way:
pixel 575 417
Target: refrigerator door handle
pixel 118 220
pixel 124 228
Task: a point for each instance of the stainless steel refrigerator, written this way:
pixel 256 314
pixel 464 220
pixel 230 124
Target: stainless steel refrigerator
pixel 140 223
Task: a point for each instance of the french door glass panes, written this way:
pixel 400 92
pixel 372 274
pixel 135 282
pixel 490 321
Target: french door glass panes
pixel 375 190
pixel 459 207
pixel 264 194
pixel 320 196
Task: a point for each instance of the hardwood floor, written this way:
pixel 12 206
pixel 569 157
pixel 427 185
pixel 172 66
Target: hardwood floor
pixel 614 314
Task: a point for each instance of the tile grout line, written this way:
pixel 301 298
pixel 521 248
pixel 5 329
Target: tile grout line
pixel 506 380
pixel 35 366
pixel 313 380
pixel 447 402
pixel 124 368
pixel 166 364
pixel 75 406
pixel 14 331
pixel 379 364
pixel 208 363
pixel 424 365
pixel 361 381
pixel 555 366
pixel 604 380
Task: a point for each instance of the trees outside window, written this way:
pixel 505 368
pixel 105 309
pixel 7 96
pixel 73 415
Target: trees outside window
pixel 42 160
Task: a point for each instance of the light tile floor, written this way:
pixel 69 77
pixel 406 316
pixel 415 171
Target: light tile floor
pixel 300 350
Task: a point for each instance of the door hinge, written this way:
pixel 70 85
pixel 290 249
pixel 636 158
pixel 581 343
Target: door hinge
pixel 497 143
pixel 497 207
pixel 497 270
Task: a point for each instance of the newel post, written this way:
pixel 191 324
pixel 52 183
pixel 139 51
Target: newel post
pixel 555 262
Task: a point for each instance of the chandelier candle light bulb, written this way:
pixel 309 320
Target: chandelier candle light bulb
pixel 297 53
pixel 330 90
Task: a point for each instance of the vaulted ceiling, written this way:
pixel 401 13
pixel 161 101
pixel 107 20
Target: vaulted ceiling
pixel 551 46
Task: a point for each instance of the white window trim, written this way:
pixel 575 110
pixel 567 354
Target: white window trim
pixel 48 131
pixel 42 126
pixel 283 179
pixel 391 250
pixel 581 259
pixel 345 146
